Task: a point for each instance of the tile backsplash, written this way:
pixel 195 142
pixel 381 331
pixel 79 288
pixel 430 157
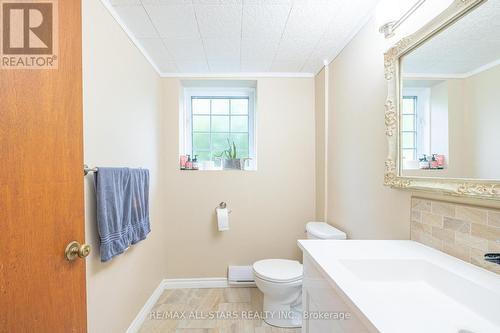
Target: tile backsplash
pixel 466 232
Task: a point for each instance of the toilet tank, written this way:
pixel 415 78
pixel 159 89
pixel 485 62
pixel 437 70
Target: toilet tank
pixel 322 230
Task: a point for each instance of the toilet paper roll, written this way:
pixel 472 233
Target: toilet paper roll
pixel 223 219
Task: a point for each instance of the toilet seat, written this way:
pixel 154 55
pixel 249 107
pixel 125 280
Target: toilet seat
pixel 278 270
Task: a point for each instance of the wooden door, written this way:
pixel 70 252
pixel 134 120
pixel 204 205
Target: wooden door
pixel 41 189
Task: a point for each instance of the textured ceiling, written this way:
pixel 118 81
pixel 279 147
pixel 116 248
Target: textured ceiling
pixel 466 47
pixel 241 36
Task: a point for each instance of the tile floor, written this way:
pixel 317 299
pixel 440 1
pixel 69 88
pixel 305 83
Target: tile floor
pixel 232 303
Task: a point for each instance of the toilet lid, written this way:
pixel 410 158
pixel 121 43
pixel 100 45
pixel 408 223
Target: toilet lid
pixel 278 270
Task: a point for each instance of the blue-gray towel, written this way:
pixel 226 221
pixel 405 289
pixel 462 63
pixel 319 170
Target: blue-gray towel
pixel 122 208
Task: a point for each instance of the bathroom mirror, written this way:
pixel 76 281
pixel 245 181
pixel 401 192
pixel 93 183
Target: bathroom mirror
pixel 442 113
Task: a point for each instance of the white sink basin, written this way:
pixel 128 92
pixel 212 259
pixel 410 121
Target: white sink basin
pixel 403 286
pixel 430 291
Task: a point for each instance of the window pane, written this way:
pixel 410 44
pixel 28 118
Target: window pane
pixel 220 124
pixel 201 141
pixel 408 140
pixel 239 106
pixel 215 121
pixel 243 154
pixel 239 124
pixel 409 105
pixel 219 141
pixel 408 154
pixel 201 123
pixel 202 155
pixel 241 142
pixel 408 122
pixel 220 106
pixel 201 106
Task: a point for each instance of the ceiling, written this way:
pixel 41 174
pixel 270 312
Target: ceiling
pixel 469 46
pixel 421 83
pixel 241 36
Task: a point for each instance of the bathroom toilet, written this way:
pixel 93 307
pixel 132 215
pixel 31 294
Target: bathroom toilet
pixel 280 281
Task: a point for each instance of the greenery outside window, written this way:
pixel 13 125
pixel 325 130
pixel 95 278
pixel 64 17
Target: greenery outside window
pixel 217 118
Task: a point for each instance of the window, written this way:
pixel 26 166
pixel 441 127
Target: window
pixel 423 122
pixel 409 128
pixel 215 118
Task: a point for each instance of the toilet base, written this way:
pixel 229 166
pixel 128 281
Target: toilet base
pixel 283 315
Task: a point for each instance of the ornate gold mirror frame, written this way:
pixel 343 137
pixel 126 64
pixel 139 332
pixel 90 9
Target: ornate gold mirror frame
pixel 483 189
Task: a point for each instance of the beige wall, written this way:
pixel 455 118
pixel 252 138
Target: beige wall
pixel 472 108
pixel 319 117
pixel 458 134
pixel 482 106
pixel 358 202
pixel 269 206
pixel 449 130
pixel 122 100
pixel 439 116
pixel 131 118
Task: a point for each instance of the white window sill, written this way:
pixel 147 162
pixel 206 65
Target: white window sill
pixel 218 169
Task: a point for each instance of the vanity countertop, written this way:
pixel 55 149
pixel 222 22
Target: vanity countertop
pixel 404 286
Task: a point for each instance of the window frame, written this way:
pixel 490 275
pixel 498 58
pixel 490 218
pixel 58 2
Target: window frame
pixel 186 144
pixel 415 126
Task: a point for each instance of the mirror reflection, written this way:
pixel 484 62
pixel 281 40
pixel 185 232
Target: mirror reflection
pixel 450 100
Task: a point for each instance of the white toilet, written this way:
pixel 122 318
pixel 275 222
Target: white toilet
pixel 280 281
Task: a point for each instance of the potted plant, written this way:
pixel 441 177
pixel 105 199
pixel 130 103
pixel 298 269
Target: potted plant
pixel 229 158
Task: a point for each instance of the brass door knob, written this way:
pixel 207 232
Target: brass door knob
pixel 74 250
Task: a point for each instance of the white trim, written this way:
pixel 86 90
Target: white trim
pixel 483 68
pixel 452 76
pixel 435 76
pixel 239 75
pixel 424 118
pixel 197 283
pixel 134 40
pixel 129 34
pixel 167 284
pixel 351 36
pixel 229 91
pixel 143 313
pixel 326 129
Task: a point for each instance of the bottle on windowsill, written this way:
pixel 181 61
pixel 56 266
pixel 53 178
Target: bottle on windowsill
pixel 433 163
pixel 183 160
pixel 423 163
pixel 195 165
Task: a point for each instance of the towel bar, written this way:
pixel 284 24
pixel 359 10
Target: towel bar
pixel 86 169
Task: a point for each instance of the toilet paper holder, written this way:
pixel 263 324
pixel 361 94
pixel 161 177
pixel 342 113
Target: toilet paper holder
pixel 223 205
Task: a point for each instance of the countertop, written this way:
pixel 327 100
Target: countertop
pixel 404 286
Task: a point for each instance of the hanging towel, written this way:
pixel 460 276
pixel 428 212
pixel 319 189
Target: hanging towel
pixel 122 208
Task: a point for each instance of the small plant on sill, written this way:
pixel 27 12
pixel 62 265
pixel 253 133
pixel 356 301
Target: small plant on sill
pixel 230 153
pixel 229 157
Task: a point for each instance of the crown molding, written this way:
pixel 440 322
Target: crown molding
pixel 476 71
pixel 129 34
pixel 239 75
pixel 483 68
pixel 134 40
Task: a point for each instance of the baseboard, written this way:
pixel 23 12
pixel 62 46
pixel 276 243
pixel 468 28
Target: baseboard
pixel 175 284
pixel 195 283
pixel 136 324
